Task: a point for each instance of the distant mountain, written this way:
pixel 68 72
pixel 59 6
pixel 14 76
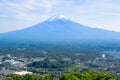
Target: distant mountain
pixel 59 28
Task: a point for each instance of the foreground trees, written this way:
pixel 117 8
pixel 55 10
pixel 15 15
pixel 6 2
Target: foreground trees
pixel 30 77
pixel 88 75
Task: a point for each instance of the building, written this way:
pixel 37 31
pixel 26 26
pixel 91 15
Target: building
pixel 23 73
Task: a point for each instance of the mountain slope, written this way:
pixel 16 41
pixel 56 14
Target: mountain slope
pixel 60 28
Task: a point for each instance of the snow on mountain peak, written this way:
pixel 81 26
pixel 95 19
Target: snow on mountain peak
pixel 58 17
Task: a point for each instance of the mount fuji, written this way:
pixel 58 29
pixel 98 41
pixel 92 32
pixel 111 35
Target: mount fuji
pixel 59 28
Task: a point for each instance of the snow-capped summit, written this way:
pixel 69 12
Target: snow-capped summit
pixel 60 29
pixel 58 17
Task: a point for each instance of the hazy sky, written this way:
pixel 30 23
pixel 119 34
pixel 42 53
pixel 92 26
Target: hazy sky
pixel 18 14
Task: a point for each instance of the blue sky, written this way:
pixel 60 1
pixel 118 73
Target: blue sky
pixel 18 14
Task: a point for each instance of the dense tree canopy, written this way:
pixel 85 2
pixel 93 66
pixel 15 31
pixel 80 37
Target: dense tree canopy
pixel 88 75
pixel 50 64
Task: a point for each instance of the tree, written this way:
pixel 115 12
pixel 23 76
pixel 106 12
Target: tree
pixel 88 75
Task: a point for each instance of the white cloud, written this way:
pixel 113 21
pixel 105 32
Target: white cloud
pixel 97 13
pixel 23 9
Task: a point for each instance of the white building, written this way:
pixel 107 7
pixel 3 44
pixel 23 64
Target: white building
pixel 23 73
pixel 103 56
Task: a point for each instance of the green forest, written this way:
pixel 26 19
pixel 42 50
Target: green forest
pixel 87 75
